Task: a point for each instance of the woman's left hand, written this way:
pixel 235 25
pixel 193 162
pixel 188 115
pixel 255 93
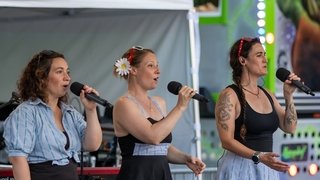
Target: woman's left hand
pixel 196 165
pixel 288 87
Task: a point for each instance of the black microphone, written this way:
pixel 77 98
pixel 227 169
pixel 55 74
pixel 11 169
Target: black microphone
pixel 174 87
pixel 283 75
pixel 76 89
pixel 15 98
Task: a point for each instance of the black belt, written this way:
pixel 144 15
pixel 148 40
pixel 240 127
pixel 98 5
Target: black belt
pixel 71 160
pixel 47 170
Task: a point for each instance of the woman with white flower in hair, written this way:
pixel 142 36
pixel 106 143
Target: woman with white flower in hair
pixel 141 123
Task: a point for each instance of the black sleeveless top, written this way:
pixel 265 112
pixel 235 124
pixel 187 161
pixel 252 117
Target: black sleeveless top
pixel 260 127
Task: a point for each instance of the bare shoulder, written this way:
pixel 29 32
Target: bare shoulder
pixel 123 106
pixel 121 101
pixel 124 113
pixel 228 94
pixel 227 104
pixel 226 109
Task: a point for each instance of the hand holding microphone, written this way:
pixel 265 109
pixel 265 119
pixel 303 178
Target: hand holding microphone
pixel 174 87
pixel 283 75
pixel 76 88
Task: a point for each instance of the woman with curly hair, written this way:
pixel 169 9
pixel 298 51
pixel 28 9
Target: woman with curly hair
pixel 44 134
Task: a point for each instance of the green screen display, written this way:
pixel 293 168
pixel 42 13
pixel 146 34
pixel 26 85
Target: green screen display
pixel 294 152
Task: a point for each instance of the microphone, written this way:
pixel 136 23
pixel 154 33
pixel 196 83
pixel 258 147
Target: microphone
pixel 14 101
pixel 283 75
pixel 15 98
pixel 76 88
pixel 174 87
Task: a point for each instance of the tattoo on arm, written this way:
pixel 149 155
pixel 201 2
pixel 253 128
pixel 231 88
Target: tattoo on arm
pixel 223 111
pixel 291 115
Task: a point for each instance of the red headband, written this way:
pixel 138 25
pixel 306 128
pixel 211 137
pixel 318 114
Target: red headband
pixel 240 47
pixel 131 54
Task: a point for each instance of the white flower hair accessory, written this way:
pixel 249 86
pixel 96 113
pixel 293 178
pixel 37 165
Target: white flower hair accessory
pixel 123 66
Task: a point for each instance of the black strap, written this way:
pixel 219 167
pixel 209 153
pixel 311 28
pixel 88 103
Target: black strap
pixel 68 140
pixel 238 92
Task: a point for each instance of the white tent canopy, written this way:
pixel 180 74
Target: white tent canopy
pixel 93 34
pixel 109 4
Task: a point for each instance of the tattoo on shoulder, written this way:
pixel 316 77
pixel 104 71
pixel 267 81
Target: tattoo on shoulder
pixel 223 109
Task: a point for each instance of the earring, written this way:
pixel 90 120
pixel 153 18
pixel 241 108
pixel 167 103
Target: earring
pixel 242 61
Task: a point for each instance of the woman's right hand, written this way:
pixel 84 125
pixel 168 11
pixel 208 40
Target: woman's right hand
pixel 271 159
pixel 185 94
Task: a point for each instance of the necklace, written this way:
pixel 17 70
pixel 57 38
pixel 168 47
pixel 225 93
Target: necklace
pixel 256 94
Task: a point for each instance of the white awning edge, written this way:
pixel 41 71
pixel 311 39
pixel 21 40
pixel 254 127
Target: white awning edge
pixel 106 4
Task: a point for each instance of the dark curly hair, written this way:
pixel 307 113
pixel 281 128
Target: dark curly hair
pixel 134 56
pixel 33 81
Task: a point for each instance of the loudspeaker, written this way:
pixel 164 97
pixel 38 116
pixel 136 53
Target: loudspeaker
pixel 206 109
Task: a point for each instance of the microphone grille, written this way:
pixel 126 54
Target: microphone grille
pixel 174 87
pixel 76 88
pixel 282 74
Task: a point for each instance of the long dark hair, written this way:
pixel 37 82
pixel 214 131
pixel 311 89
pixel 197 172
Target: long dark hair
pixel 33 81
pixel 241 48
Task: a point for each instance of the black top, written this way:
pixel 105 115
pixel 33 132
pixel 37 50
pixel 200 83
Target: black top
pixel 68 140
pixel 141 161
pixel 127 143
pixel 260 127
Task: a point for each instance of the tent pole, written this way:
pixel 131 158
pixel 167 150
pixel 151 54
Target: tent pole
pixel 195 61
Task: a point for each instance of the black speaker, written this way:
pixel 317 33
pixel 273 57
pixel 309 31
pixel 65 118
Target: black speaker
pixel 206 109
pixel 6 109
